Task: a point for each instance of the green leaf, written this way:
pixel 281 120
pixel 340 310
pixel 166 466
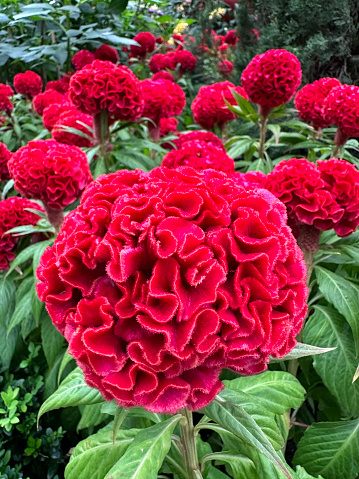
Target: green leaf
pixel 327 327
pixel 22 311
pixel 52 340
pixel 145 456
pixel 66 359
pixel 330 449
pixel 91 416
pixel 7 292
pixel 216 474
pixel 28 253
pixel 241 466
pixel 96 455
pixel 235 420
pixel 279 391
pixel 301 350
pixel 343 295
pixel 73 391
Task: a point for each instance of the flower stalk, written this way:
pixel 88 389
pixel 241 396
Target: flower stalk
pixel 189 447
pixel 101 134
pixel 55 217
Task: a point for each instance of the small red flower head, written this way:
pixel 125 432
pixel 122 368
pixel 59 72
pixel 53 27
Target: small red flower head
pixel 6 90
pixel 160 280
pixel 50 171
pixel 107 53
pixel 299 185
pixel 163 99
pixel 13 213
pixel 202 136
pixel 5 104
pixel 342 180
pixel 225 67
pixel 28 84
pixel 310 99
pixel 185 59
pixel 52 113
pixel 159 40
pixel 61 85
pixel 159 62
pixel 104 86
pixel 168 125
pixel 231 38
pixel 147 43
pixel 82 58
pixel 272 78
pixel 251 179
pixel 200 156
pixel 163 76
pixel 209 107
pixel 341 106
pixel 5 155
pixel 76 120
pixel 43 100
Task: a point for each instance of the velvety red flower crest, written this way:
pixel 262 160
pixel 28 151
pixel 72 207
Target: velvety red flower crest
pixel 43 100
pixel 78 121
pixel 28 84
pixel 163 75
pixel 82 58
pixel 107 53
pixel 5 155
pixel 162 99
pixel 147 43
pixel 341 106
pixel 199 135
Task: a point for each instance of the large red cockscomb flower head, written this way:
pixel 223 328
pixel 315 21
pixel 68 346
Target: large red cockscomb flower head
pixel 62 85
pixel 231 38
pixel 105 86
pixel 162 98
pixel 6 90
pixel 82 58
pixel 310 99
pixel 107 53
pixel 272 78
pixel 163 75
pixel 225 67
pixel 147 43
pixel 5 155
pixel 6 104
pixel 43 100
pixel 200 156
pixel 185 59
pixel 52 113
pixel 51 172
pixel 202 136
pixel 78 121
pixel 28 84
pixel 159 62
pixel 209 107
pixel 168 125
pixel 160 280
pixel 342 180
pixel 251 179
pixel 14 212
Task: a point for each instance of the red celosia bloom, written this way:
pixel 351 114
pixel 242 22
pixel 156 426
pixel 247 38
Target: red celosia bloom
pixel 82 58
pixel 309 101
pixel 6 90
pixel 60 86
pixel 200 156
pixel 107 53
pixel 231 38
pixel 13 213
pixel 160 280
pixel 147 43
pixel 300 186
pixel 43 100
pixel 52 113
pixel 105 86
pixel 5 104
pixel 209 107
pixel 5 155
pixel 3 120
pixel 251 179
pixel 272 78
pixel 217 39
pixel 163 76
pixel 202 136
pixel 28 84
pixel 159 62
pixel 162 98
pixel 159 40
pixel 73 120
pixel 341 106
pixel 168 125
pixel 185 59
pixel 50 171
pixel 225 67
pixel 178 38
pixel 342 180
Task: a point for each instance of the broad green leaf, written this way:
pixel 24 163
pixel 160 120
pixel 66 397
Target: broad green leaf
pixel 343 295
pixel 235 420
pixel 301 350
pixel 356 374
pixel 216 474
pixel 96 455
pixel 66 359
pixel 330 449
pixel 327 327
pixel 22 311
pixel 241 466
pixel 91 415
pixel 277 390
pixel 302 474
pixel 52 340
pixel 73 391
pixel 28 253
pixel 145 456
pixel 7 292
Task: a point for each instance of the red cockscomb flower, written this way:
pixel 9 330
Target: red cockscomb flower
pixel 231 38
pixel 76 120
pixel 310 99
pixel 147 43
pixel 162 98
pixel 202 136
pixel 52 113
pixel 160 280
pixel 107 53
pixel 28 84
pixel 225 67
pixel 272 78
pixel 200 156
pixel 209 107
pixel 168 125
pixel 251 179
pixel 61 85
pixel 6 90
pixel 342 180
pixel 105 86
pixel 163 75
pixel 50 171
pixel 159 62
pixel 5 155
pixel 43 100
pixel 184 58
pixel 82 58
pixel 13 213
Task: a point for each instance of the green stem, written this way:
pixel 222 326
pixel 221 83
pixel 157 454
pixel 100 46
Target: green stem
pixel 262 137
pixel 101 134
pixel 189 447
